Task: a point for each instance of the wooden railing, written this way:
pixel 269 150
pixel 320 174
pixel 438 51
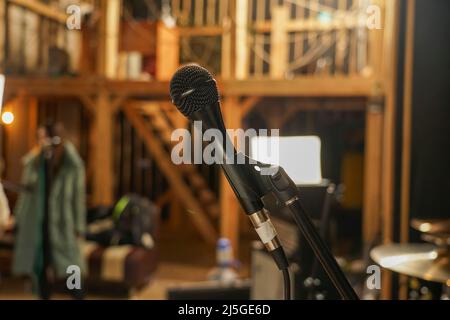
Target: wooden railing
pixel 236 39
pixel 34 39
pixel 282 39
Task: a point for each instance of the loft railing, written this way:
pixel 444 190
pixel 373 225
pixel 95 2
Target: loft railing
pixel 281 39
pixel 34 38
pixel 236 39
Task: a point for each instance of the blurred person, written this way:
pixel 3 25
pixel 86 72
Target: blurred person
pixel 51 216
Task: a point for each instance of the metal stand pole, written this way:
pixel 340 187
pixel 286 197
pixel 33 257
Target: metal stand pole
pixel 287 193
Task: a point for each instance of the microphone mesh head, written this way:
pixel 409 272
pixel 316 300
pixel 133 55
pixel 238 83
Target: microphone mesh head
pixel 192 88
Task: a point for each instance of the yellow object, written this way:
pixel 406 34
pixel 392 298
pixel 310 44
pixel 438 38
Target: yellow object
pixel 352 178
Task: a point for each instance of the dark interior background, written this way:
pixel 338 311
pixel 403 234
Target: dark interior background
pixel 430 179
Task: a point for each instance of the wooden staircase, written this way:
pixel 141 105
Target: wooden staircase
pixel 154 122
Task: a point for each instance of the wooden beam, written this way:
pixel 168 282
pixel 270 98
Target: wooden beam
pixel 307 86
pixel 108 48
pixel 167 51
pixel 170 171
pixel 198 12
pixel 241 47
pixel 341 42
pixel 259 40
pixel 376 48
pixel 372 172
pixel 103 193
pixel 305 25
pixel 405 188
pixel 227 51
pixel 2 35
pixel 42 9
pixel 279 42
pixel 207 31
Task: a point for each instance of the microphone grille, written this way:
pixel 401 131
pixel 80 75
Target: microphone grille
pixel 192 88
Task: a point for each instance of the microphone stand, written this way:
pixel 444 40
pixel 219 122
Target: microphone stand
pixel 252 187
pixel 287 195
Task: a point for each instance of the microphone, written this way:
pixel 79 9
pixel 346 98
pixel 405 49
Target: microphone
pixel 194 92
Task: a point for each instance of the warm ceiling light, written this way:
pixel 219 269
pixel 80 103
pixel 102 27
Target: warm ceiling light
pixel 7 117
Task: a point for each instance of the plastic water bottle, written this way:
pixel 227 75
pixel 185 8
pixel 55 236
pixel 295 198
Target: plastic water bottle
pixel 224 271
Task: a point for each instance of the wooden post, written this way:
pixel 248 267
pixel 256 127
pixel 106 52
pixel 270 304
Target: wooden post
pixel 102 148
pixel 227 11
pixel 259 39
pixel 229 206
pixel 279 42
pixel 406 143
pixel 241 46
pixel 341 43
pixel 372 172
pixel 2 34
pixel 227 53
pixel 390 48
pixel 167 51
pixel 376 49
pixel 108 48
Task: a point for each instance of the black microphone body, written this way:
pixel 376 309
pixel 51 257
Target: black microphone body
pixel 242 177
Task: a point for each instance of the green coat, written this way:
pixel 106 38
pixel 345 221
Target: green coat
pixel 66 216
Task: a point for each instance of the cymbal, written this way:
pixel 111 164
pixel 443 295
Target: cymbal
pixel 431 225
pixel 424 261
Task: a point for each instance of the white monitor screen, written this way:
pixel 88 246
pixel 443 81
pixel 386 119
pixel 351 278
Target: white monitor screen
pixel 299 156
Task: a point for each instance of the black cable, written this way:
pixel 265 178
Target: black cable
pixel 279 256
pixel 287 284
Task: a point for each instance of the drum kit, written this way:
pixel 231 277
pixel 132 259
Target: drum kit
pixel 429 261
